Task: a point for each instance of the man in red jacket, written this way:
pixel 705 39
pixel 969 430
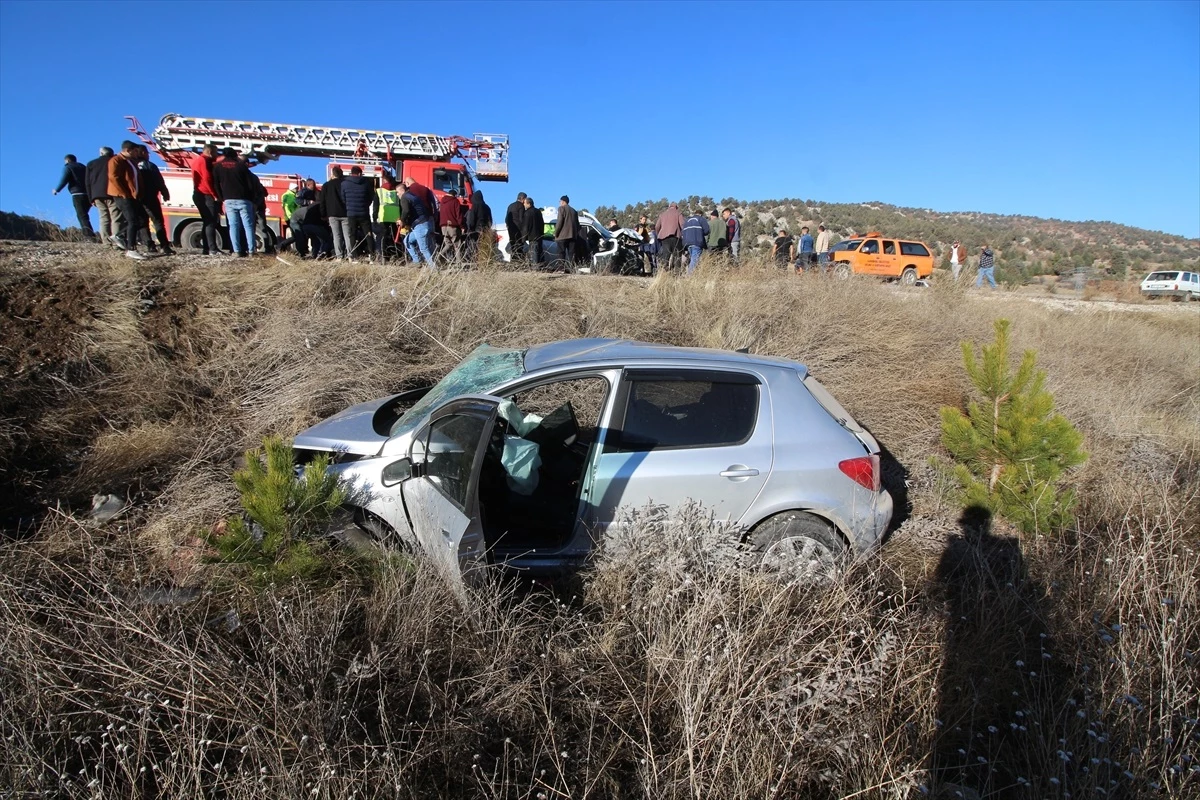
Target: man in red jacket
pixel 450 220
pixel 205 199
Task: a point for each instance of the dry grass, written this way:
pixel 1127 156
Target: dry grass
pixel 948 659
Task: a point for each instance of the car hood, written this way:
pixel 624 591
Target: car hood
pixel 350 431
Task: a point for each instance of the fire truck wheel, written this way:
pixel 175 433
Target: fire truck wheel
pixel 191 238
pixel 261 246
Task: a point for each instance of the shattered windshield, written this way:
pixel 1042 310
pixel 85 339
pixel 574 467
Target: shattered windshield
pixel 484 368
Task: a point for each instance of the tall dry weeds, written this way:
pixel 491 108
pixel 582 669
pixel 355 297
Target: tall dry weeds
pixel 667 669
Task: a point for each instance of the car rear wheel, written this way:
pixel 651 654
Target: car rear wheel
pixel 798 546
pixel 908 277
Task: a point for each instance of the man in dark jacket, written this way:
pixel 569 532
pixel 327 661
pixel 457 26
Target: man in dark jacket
pixel 358 195
pixel 151 187
pixel 334 210
pixel 695 233
pixel 234 185
pixel 74 178
pixel 97 189
pixel 260 208
pixel 418 213
pixel 480 237
pixel 533 226
pixel 514 220
pixel 566 230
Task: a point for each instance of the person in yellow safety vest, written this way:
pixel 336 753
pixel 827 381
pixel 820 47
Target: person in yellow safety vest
pixel 387 214
pixel 288 199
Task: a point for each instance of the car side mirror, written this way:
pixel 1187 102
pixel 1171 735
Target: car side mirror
pixel 399 471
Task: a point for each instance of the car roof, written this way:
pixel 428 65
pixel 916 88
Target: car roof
pixel 628 351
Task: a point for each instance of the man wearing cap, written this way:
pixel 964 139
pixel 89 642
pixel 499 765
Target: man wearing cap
pixel 987 266
pixel 958 257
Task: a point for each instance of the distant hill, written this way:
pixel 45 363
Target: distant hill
pixel 19 226
pixel 1025 246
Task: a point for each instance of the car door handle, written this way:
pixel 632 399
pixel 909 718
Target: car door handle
pixel 738 471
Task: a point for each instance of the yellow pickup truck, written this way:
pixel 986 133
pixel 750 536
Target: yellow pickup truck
pixel 882 256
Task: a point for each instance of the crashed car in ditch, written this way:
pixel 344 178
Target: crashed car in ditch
pixel 599 250
pixel 524 457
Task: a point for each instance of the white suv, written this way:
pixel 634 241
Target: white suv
pixel 1172 283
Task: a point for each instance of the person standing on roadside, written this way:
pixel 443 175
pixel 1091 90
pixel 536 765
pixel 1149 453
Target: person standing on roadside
pixel 387 215
pixel 234 186
pixel 807 254
pixel 534 228
pixel 514 220
pixel 987 266
pixel 958 257
pixel 668 229
pixel 695 233
pixel 204 197
pixel 649 245
pixel 823 238
pixel 123 185
pixel 784 249
pixel 716 232
pixel 418 216
pixel 334 210
pixel 106 207
pixel 287 201
pixel 450 221
pixel 733 233
pixel 358 195
pixel 480 237
pixel 566 231
pixel 152 187
pixel 74 178
pixel 420 236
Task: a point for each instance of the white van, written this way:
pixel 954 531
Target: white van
pixel 1172 283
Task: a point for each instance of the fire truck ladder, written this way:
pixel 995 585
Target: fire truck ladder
pixel 266 141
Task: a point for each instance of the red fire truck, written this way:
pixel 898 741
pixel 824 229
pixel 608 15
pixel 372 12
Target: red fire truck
pixel 425 157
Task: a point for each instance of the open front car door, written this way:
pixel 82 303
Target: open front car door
pixel 441 482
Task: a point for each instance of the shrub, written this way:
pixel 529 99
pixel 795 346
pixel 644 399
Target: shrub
pixel 1011 449
pixel 287 515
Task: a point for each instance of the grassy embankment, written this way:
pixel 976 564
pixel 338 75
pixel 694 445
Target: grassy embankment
pixel 1033 668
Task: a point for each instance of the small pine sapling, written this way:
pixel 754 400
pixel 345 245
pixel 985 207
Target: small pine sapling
pixel 287 512
pixel 1010 447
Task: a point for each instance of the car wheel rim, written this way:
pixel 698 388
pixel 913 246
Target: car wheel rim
pixel 799 558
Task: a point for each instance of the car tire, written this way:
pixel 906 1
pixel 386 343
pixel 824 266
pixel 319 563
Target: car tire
pixel 841 270
pixel 798 546
pixel 908 277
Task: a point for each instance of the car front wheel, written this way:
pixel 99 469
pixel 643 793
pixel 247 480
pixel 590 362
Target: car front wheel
pixel 841 270
pixel 798 546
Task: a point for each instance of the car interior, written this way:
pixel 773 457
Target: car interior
pixel 533 468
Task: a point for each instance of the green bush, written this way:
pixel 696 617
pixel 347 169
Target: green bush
pixel 1010 448
pixel 280 538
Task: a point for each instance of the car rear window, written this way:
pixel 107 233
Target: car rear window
pixel 1163 276
pixel 668 413
pixel 913 249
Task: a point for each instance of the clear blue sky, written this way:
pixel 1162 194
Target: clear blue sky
pixel 1077 111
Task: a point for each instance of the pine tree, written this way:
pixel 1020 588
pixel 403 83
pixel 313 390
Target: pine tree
pixel 287 513
pixel 1011 448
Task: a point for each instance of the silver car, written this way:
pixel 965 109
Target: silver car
pixel 525 457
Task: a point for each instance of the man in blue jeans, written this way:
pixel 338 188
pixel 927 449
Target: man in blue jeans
pixel 417 209
pixel 807 254
pixel 987 266
pixel 695 236
pixel 235 187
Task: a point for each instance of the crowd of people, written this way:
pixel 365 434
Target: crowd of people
pixel 127 190
pixel 349 216
pixel 354 216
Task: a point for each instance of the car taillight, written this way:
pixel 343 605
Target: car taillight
pixel 864 471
